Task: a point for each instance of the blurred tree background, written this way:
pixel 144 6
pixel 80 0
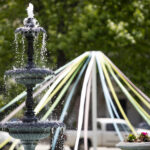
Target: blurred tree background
pixel 119 28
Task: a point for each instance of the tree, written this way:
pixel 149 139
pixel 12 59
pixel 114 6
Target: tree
pixel 118 28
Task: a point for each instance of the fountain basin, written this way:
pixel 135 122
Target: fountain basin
pixel 29 76
pixel 31 132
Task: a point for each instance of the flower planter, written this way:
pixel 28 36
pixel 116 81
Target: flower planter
pixel 134 145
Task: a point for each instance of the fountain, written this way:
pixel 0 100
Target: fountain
pixel 30 130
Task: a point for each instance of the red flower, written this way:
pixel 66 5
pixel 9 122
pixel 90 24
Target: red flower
pixel 144 133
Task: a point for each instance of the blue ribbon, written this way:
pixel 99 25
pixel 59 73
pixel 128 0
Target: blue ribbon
pixel 66 106
pixel 108 98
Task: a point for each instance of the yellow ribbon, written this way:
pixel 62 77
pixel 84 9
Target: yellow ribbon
pixel 147 104
pixel 132 100
pixel 75 66
pixel 13 145
pixel 116 99
pixel 5 142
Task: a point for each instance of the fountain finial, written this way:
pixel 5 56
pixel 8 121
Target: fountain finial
pixel 30 10
pixel 31 25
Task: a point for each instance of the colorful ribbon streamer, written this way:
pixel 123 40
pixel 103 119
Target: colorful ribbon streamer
pixel 62 92
pixel 66 76
pixel 82 102
pixel 116 99
pixel 139 109
pixel 107 97
pixel 67 103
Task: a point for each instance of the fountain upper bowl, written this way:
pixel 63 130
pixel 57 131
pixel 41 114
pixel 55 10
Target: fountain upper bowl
pixel 29 76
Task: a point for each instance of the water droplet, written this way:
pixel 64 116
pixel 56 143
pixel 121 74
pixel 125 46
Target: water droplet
pixel 43 48
pixel 23 51
pixel 17 45
pixel 36 47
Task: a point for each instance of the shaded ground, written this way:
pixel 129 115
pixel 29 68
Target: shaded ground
pixel 46 147
pixel 105 148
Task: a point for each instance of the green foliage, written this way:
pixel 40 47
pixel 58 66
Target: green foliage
pixel 119 28
pixel 131 138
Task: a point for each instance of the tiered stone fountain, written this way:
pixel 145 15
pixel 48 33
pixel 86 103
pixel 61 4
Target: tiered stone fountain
pixel 30 130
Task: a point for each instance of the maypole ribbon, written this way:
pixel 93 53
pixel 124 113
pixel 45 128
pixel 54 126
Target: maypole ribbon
pixel 63 74
pixel 12 147
pixel 139 94
pixel 140 110
pixel 111 102
pixel 52 87
pixel 5 142
pixel 62 93
pixel 86 118
pixel 94 102
pixel 116 99
pixel 67 103
pixel 16 99
pixel 61 84
pixel 107 96
pixel 82 101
